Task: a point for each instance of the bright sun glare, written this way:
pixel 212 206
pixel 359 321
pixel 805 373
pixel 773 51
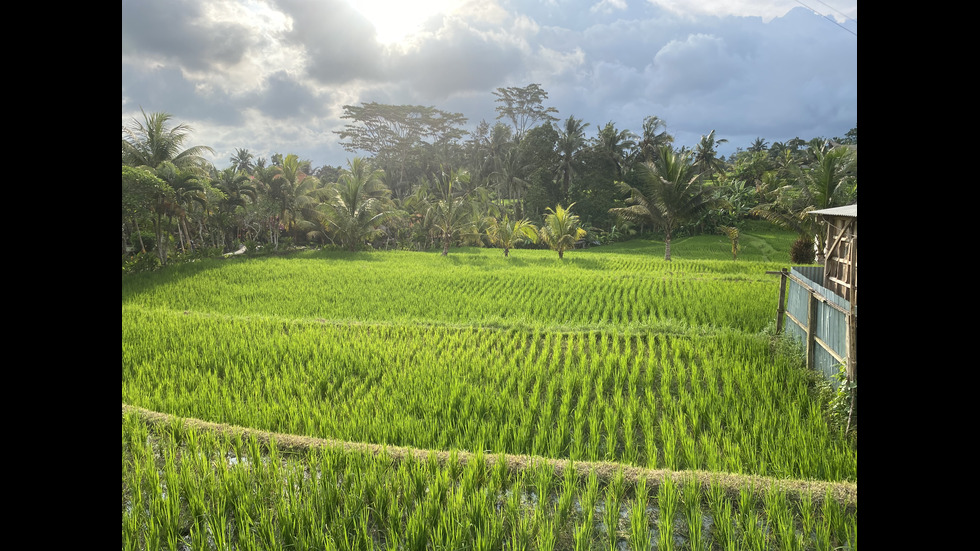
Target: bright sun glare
pixel 395 20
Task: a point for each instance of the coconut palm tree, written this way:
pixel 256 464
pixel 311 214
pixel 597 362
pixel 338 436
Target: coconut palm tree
pixel 561 229
pixel 289 183
pixel 830 180
pixel 242 161
pixel 706 161
pixel 669 194
pixel 238 189
pixel 153 141
pixel 356 204
pixel 507 234
pixel 654 137
pixel 571 139
pixel 449 216
pixel 618 146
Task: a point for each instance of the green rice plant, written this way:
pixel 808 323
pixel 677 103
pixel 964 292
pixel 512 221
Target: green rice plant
pixel 490 535
pixel 522 533
pixel 569 489
pixel 590 494
pixel 746 503
pixel 544 477
pixel 610 517
pixel 512 505
pixel 667 499
pixel 583 534
pixel 692 492
pixel 416 530
pixel 640 538
pixel 546 538
pixel 753 534
pixel 265 530
pixel 217 521
pixel 500 479
pixel 852 536
pixel 132 524
pixel 823 537
pixel 806 512
pixel 724 526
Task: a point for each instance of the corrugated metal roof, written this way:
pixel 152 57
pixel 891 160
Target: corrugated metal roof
pixel 848 210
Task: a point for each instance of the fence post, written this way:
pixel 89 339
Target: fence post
pixel 811 329
pixel 781 309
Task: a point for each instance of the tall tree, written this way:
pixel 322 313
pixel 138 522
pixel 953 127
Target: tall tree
pixel 242 161
pixel 289 183
pixel 706 160
pixel 356 206
pixel 654 137
pixel 571 140
pixel 524 107
pixel 396 135
pixel 669 194
pixel 561 229
pixel 142 190
pixel 238 190
pixel 449 215
pixel 154 141
pixel 618 146
pixel 830 180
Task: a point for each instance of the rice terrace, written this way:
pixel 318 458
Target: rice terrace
pixel 404 400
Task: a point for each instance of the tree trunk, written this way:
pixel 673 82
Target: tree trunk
pixel 667 247
pixel 140 235
pixel 561 254
pixel 506 250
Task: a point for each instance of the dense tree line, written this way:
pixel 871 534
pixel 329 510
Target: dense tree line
pixel 424 183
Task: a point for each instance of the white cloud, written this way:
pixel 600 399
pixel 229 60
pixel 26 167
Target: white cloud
pixel 273 75
pixel 608 6
pixel 766 9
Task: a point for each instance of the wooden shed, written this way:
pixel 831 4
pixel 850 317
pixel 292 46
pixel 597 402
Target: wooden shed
pixel 821 301
pixel 840 267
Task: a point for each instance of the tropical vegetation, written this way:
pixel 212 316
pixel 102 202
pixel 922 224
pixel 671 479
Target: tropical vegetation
pixel 178 205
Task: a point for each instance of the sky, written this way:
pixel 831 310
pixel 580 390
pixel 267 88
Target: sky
pixel 272 76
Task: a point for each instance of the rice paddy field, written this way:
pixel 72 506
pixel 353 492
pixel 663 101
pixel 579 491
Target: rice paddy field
pixel 404 400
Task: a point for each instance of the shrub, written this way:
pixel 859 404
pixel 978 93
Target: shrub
pixel 801 252
pixel 140 262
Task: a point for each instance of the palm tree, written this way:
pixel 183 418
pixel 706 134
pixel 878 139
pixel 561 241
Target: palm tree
pixel 288 184
pixel 510 168
pixel 561 229
pixel 356 206
pixel 237 187
pixel 706 161
pixel 571 139
pixel 242 161
pixel 616 146
pixel 156 146
pixel 507 234
pixel 450 215
pixel 153 141
pixel 830 180
pixel 669 194
pixel 653 138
